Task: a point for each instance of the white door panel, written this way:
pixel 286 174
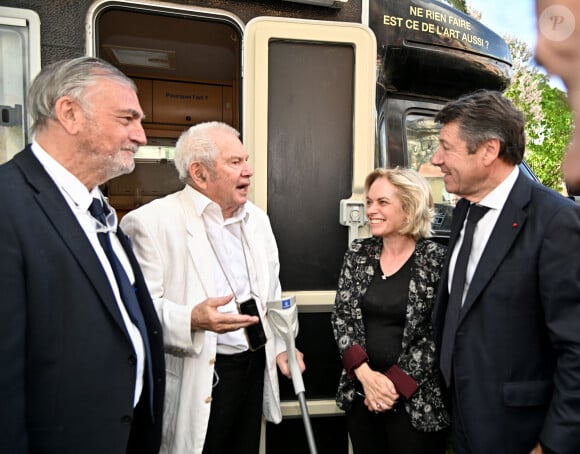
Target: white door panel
pixel 309 90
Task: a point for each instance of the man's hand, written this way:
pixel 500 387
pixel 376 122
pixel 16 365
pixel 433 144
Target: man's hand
pixel 538 449
pixel 571 169
pixel 205 316
pixel 282 361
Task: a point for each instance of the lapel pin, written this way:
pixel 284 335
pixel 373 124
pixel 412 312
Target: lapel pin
pixel 515 224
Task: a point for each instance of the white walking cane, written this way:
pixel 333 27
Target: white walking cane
pixel 283 318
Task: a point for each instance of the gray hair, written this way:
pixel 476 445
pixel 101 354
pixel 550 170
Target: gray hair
pixel 68 78
pixel 197 144
pixel 415 195
pixel 485 115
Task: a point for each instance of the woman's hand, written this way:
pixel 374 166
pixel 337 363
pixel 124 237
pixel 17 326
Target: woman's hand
pixel 380 392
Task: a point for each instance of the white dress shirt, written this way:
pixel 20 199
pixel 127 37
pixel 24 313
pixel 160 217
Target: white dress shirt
pixel 495 201
pixel 233 269
pixel 79 199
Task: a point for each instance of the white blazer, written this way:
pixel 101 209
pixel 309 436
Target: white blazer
pixel 175 255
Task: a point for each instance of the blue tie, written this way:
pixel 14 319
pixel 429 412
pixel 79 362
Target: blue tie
pixel 474 214
pixel 127 291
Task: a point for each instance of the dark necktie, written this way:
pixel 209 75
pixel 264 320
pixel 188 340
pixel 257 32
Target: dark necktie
pixel 126 290
pixel 457 288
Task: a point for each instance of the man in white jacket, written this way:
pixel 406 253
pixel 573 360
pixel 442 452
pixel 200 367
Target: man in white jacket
pixel 204 251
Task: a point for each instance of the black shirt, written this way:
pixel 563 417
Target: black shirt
pixel 384 307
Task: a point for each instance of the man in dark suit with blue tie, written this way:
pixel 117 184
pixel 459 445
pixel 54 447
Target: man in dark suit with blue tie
pixel 81 348
pixel 507 317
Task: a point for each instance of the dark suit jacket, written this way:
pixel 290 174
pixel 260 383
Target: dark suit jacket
pixel 517 350
pixel 67 365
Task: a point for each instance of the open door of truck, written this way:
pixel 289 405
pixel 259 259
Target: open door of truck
pixel 308 123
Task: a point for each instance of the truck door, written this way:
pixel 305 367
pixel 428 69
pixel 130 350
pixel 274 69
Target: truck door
pixel 308 116
pixel 186 62
pixel 19 63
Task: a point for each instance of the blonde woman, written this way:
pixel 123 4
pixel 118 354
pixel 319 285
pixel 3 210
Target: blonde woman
pixel 390 386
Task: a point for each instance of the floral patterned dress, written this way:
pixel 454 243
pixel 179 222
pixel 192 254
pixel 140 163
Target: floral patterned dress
pixel 417 358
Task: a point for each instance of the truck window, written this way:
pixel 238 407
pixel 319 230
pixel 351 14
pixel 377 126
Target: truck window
pixel 19 63
pixel 156 152
pixel 422 136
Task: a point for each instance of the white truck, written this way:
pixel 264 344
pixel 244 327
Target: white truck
pixel 323 91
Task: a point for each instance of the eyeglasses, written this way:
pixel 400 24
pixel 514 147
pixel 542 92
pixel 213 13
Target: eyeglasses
pixel 93 225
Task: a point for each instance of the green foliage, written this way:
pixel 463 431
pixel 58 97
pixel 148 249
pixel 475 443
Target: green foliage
pixel 458 4
pixel 545 157
pixel 548 117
